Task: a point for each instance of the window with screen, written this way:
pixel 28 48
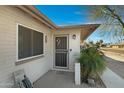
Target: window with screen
pixel 30 42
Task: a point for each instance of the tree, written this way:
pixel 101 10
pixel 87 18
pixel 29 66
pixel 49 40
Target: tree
pixel 91 43
pixel 97 44
pixel 111 18
pixel 101 43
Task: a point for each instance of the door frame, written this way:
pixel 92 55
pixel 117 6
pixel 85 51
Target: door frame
pixel 60 35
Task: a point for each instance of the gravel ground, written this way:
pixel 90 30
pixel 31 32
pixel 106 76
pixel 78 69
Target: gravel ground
pixel 116 66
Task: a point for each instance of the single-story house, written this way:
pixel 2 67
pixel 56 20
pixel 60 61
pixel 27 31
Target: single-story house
pixel 121 45
pixel 30 41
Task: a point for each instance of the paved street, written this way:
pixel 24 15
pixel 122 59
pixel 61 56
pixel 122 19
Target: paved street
pixel 116 66
pixel 115 60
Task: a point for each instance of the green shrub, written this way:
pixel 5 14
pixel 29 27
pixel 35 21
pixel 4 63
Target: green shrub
pixel 92 63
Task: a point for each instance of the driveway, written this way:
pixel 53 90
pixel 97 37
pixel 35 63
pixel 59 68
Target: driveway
pixel 116 66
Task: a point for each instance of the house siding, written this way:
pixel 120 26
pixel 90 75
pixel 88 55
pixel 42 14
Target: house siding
pixel 10 16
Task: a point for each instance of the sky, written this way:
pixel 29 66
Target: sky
pixel 63 15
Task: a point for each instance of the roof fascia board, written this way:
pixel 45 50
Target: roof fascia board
pixel 38 13
pixel 78 26
pixel 24 8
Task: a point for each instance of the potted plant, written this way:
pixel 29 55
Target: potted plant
pixel 92 63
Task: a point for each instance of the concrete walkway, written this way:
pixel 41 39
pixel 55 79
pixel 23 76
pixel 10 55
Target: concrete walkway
pixel 112 80
pixel 59 79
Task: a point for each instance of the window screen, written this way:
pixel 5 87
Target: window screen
pixel 37 43
pixel 30 42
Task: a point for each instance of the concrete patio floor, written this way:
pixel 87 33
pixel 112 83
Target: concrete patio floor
pixel 59 79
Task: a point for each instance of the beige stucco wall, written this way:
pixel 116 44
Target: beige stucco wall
pixel 9 17
pixel 74 44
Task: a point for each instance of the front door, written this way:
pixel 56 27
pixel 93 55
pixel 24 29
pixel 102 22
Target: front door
pixel 61 51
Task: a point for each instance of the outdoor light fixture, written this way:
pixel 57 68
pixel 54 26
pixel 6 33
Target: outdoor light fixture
pixel 73 36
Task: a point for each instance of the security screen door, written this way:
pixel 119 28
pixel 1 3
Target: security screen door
pixel 61 51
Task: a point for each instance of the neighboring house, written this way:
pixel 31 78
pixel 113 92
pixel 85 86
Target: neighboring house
pixel 121 45
pixel 30 41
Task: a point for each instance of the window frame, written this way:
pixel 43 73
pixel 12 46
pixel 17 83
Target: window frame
pixel 17 43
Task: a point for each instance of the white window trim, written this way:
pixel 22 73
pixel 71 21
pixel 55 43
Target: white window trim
pixel 27 58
